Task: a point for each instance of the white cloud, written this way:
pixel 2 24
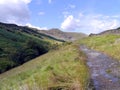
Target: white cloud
pixel 49 1
pixel 70 23
pixel 14 11
pixel 41 13
pixel 90 23
pixel 39 28
pixel 27 1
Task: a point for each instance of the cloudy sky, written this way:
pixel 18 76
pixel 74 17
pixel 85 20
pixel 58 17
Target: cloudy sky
pixel 87 16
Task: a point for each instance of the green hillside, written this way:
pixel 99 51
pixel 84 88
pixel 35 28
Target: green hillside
pixel 107 43
pixel 20 44
pixel 61 69
pixel 111 31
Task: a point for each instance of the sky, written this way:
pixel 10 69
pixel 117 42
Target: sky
pixel 87 16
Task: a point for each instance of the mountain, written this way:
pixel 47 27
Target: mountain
pixel 69 36
pixel 25 29
pixel 112 31
pixel 19 44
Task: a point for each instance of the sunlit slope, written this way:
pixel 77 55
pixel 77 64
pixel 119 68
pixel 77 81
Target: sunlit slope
pixel 108 43
pixel 64 68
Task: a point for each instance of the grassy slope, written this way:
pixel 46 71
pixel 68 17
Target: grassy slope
pixel 14 41
pixel 109 44
pixel 64 68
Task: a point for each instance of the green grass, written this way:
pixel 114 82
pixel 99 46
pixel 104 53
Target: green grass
pixel 64 69
pixel 109 44
pixel 21 44
pixel 15 43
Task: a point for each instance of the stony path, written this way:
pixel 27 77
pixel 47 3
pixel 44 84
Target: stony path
pixel 105 72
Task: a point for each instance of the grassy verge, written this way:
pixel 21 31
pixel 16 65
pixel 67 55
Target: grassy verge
pixel 64 68
pixel 109 44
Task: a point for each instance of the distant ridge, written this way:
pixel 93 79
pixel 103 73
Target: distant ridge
pixel 112 31
pixel 26 29
pixel 51 33
pixel 63 35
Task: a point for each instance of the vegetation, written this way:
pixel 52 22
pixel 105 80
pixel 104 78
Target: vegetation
pixel 109 44
pixel 62 69
pixel 21 44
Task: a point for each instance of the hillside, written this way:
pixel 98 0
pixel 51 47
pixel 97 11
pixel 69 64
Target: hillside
pixel 112 31
pixel 20 44
pixel 63 35
pixel 25 29
pixel 107 43
pixel 61 69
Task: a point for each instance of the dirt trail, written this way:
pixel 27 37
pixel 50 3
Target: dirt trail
pixel 105 72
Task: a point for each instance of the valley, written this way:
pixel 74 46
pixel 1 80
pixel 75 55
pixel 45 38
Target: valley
pixel 59 45
pixel 38 60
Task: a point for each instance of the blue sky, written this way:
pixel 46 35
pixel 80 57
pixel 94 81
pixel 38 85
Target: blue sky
pixel 87 16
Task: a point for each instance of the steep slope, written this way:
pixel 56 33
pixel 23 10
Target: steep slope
pixel 63 35
pixel 20 44
pixel 25 29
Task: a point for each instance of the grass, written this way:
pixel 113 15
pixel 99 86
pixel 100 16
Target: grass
pixel 109 44
pixel 62 69
pixel 13 43
pixel 15 48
